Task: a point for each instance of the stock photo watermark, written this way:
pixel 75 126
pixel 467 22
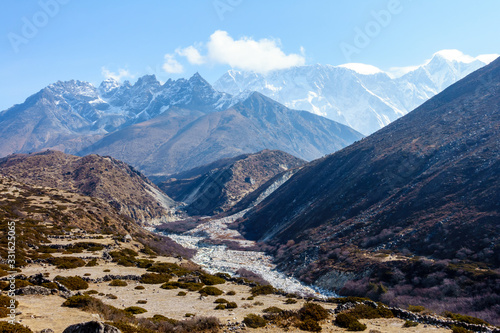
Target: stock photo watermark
pixel 363 36
pixel 11 261
pixel 32 25
pixel 224 6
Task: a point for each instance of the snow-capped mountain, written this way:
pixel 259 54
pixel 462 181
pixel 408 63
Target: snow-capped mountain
pixel 71 115
pixel 358 95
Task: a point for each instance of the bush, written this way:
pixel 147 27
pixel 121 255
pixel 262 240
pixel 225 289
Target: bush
pixel 363 311
pixel 464 318
pixel 50 285
pixel 111 296
pixel 168 268
pixel 118 283
pixel 350 322
pixel 272 309
pixel 79 301
pixel 410 323
pixel 231 305
pixel 220 307
pixel 254 321
pixel 5 301
pixel 457 329
pixel 92 263
pixel 139 288
pixel 221 300
pixel 19 284
pixel 211 280
pixel 6 327
pixel 91 292
pixel 263 290
pixel 72 282
pixel 231 293
pixel 416 308
pixel 158 317
pixel 67 262
pixel 290 301
pixel 181 293
pixel 313 311
pixel 309 325
pixel 212 291
pixel 153 278
pixel 135 310
pixel 142 301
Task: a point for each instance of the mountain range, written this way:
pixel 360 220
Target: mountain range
pixel 164 129
pixel 358 95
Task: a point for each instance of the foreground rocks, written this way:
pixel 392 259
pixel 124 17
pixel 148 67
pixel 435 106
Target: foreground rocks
pixel 91 327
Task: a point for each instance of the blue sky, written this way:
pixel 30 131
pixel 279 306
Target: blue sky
pixel 49 40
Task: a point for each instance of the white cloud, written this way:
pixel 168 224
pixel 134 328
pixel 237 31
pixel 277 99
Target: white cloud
pixel 192 54
pixel 260 56
pixel 122 73
pixel 171 65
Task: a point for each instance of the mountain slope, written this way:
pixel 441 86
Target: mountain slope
pixel 105 178
pixel 363 100
pixel 216 187
pixel 426 185
pixel 428 182
pixel 252 125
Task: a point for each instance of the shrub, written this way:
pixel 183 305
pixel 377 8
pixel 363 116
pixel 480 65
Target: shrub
pixel 6 327
pixel 118 283
pixel 313 311
pixel 211 280
pixel 72 282
pixel 153 278
pixel 224 276
pixel 5 301
pixel 158 317
pixel 272 309
pixel 50 285
pixel 221 300
pixel 168 268
pixel 135 310
pixel 212 291
pixel 142 301
pixel 263 290
pixel 464 318
pixel 231 293
pixel 231 305
pixel 416 308
pixel 19 284
pixel 139 288
pixel 254 321
pixel 309 325
pixel 290 301
pixel 67 262
pixel 187 315
pixel 91 292
pixel 181 293
pixel 457 329
pixel 350 322
pixel 106 270
pixel 92 263
pixel 111 296
pixel 410 323
pixel 79 301
pixel 363 311
pixel 169 285
pixel 220 307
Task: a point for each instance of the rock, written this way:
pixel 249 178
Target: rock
pixel 47 330
pixel 91 327
pixel 33 290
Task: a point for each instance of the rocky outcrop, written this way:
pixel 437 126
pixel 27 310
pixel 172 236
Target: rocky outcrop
pixel 91 327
